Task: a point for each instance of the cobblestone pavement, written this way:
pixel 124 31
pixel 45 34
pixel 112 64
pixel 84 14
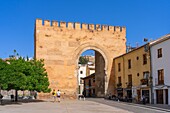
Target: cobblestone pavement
pixel 65 106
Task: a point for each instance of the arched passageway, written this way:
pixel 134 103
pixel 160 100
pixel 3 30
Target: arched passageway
pixel 61 43
pixel 94 82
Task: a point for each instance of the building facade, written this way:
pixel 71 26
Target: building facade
pixel 89 86
pixel 160 57
pixel 55 40
pixel 82 72
pixel 132 74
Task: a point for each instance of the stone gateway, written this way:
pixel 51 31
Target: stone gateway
pixel 60 44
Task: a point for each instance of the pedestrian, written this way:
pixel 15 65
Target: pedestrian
pixel 143 99
pixel 54 95
pixel 58 95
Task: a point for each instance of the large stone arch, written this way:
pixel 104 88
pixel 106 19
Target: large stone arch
pixel 104 54
pixel 60 44
pixel 87 46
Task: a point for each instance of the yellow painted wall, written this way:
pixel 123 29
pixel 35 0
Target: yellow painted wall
pixel 136 67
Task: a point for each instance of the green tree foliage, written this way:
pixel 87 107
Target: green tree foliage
pixel 16 77
pixel 23 74
pixel 37 76
pixel 3 74
pixel 83 60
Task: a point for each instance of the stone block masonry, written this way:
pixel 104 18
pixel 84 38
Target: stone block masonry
pixel 60 44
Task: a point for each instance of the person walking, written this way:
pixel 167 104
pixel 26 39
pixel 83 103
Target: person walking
pixel 54 95
pixel 58 95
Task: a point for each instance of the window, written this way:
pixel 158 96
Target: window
pixel 119 80
pixel 144 59
pixel 129 81
pixel 81 72
pixel 137 58
pixel 159 52
pixel 146 75
pixel 129 64
pixel 160 77
pixel 129 78
pixel 119 84
pixel 93 80
pixel 119 69
pixel 81 81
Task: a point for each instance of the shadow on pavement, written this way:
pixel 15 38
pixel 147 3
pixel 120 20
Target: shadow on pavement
pixel 19 102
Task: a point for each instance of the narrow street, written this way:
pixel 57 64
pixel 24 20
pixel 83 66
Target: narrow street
pixel 136 108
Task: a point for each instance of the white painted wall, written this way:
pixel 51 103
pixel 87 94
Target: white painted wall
pixel 82 68
pixel 161 63
pixel 91 69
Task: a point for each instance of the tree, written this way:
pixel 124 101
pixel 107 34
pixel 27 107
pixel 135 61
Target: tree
pixel 38 78
pixel 23 74
pixel 83 60
pixel 3 74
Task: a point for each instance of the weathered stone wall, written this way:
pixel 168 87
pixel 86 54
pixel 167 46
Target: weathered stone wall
pixel 60 44
pixel 99 75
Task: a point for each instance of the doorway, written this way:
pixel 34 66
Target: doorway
pixel 159 96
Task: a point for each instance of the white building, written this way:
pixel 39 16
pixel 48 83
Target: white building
pixel 91 68
pixel 160 68
pixel 82 72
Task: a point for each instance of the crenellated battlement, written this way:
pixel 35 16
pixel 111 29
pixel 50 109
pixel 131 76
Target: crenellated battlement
pixel 77 25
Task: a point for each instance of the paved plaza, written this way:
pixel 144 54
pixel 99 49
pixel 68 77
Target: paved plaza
pixel 65 106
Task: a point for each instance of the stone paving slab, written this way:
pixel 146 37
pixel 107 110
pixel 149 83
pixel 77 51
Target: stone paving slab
pixel 65 106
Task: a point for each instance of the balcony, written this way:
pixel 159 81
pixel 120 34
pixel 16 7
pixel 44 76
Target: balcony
pixel 129 85
pixel 119 85
pixel 144 82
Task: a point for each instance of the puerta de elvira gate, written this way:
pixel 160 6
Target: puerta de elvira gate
pixel 60 44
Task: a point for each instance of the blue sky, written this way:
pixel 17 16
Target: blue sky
pixel 142 19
